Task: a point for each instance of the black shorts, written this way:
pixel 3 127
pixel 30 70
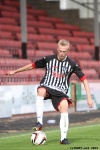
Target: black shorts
pixel 56 97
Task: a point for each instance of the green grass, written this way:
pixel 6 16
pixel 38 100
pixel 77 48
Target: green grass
pixel 81 137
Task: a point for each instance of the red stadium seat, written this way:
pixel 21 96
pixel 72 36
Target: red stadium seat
pixel 83 34
pixel 50 19
pixel 31 30
pixel 8 8
pixel 8 21
pixel 11 3
pixel 74 40
pixel 31 46
pixel 11 45
pixel 37 24
pixel 37 37
pixel 42 38
pixel 65 26
pixel 5 54
pixel 36 12
pixel 23 77
pixel 46 46
pixel 9 28
pixel 6 35
pixel 30 17
pixel 89 64
pixel 37 54
pixel 54 31
pixel 15 29
pixel 80 56
pixel 91 74
pixel 15 15
pixel 8 64
pixel 10 14
pixel 85 48
pixel 92 41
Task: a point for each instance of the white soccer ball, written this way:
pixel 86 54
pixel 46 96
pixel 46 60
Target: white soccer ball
pixel 38 138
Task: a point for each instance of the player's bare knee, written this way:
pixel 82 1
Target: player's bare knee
pixel 63 109
pixel 41 92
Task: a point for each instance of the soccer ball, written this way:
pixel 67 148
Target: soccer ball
pixel 38 138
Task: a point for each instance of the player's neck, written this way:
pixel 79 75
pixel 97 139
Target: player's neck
pixel 61 59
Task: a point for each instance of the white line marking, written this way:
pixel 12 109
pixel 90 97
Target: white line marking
pixel 2 138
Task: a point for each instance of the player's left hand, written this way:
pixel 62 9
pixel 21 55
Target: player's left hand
pixel 90 103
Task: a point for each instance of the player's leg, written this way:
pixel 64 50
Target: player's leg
pixel 41 93
pixel 64 121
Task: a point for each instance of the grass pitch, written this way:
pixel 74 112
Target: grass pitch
pixel 81 138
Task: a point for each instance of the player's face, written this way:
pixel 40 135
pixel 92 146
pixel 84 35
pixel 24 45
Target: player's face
pixel 62 52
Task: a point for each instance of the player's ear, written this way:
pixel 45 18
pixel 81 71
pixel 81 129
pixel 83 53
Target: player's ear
pixel 68 50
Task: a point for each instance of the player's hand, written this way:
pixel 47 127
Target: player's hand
pixel 10 73
pixel 90 103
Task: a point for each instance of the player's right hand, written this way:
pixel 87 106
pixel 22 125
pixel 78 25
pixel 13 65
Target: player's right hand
pixel 10 73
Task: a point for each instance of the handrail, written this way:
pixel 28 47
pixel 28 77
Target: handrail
pixel 83 4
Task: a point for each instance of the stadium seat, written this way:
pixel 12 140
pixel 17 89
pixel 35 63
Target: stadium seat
pixel 85 48
pixel 13 3
pixel 74 40
pixel 8 21
pixel 89 64
pixel 46 46
pixel 8 64
pixel 54 31
pixel 79 56
pixel 65 26
pixel 36 12
pixel 31 46
pixel 15 15
pixel 42 38
pixel 50 19
pixel 5 54
pixel 33 55
pixel 22 77
pixel 10 14
pixel 83 34
pixel 37 37
pixel 6 35
pixel 92 41
pixel 43 34
pixel 8 8
pixel 15 28
pixel 31 30
pixel 74 78
pixel 37 24
pixel 10 44
pixel 10 28
pixel 91 74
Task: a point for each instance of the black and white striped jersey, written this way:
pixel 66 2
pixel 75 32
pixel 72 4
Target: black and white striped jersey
pixel 58 72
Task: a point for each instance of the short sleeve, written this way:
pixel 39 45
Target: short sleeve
pixel 41 63
pixel 79 73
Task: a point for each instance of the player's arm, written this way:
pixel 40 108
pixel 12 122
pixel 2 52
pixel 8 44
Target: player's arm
pixel 89 99
pixel 41 63
pixel 24 68
pixel 82 77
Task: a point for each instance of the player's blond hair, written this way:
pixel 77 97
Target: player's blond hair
pixel 64 42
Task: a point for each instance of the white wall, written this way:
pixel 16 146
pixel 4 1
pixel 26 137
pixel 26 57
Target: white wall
pixel 84 12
